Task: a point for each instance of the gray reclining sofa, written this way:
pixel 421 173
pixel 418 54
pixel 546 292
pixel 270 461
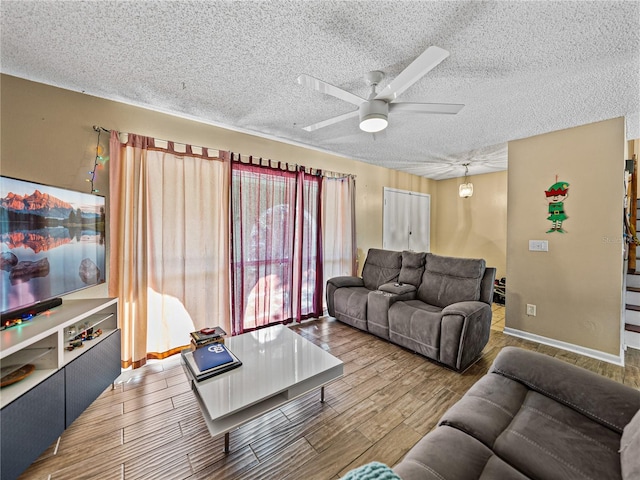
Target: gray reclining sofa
pixel 533 417
pixel 437 306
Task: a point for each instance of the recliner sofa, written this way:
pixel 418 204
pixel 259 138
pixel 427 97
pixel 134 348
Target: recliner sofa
pixel 434 305
pixel 533 417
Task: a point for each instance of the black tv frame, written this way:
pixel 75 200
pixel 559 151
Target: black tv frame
pixel 18 315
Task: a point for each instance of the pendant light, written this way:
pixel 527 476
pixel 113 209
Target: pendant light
pixel 466 188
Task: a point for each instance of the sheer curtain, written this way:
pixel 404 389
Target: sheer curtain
pixel 308 276
pixel 276 247
pixel 169 233
pixel 338 227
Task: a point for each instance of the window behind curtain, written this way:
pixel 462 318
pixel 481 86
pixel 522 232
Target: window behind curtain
pixel 275 246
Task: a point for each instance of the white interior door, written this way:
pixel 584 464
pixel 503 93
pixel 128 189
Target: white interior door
pixel 406 220
pixel 419 231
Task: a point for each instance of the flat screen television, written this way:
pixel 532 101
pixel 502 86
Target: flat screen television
pixel 52 244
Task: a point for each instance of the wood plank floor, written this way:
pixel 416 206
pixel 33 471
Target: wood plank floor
pixel 150 426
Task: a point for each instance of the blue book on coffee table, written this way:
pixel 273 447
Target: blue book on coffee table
pixel 212 356
pixel 210 360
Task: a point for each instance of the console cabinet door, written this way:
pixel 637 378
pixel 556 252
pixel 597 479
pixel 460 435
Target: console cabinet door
pixel 31 423
pixel 90 374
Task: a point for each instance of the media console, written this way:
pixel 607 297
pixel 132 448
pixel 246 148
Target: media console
pixel 62 383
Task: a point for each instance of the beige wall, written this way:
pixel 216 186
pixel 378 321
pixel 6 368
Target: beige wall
pixel 473 227
pixel 577 285
pixel 47 137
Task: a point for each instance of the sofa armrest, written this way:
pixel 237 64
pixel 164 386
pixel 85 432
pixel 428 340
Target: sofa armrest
pixel 399 289
pixel 464 332
pixel 334 284
pixel 605 401
pixel 466 309
pixel 346 281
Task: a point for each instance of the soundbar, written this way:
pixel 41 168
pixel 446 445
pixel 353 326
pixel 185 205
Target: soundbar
pixel 25 313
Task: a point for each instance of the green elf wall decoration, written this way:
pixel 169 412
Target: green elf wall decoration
pixel 556 195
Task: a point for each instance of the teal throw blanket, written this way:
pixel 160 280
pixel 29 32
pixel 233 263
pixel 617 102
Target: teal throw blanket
pixel 371 471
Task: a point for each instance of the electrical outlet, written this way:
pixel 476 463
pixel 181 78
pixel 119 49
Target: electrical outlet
pixel 531 310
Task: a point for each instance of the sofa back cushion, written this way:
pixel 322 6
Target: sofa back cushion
pixel 630 449
pixel 412 267
pixel 381 266
pixel 448 280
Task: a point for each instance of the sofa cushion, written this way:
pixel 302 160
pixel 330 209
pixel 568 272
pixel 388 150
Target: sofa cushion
pixel 381 266
pixel 448 280
pixel 412 267
pixel 487 408
pixel 350 305
pixel 547 439
pixel 447 453
pixel 630 449
pixel 415 325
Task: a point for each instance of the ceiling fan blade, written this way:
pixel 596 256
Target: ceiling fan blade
pixel 331 121
pixel 437 108
pixel 324 87
pixel 428 60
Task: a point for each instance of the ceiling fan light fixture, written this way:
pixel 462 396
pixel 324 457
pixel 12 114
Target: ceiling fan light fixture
pixel 374 116
pixel 374 123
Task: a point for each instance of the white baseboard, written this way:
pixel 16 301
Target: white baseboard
pixel 588 352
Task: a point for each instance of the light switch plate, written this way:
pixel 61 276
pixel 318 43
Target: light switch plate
pixel 538 245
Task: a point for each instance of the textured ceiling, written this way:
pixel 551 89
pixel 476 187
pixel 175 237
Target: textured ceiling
pixel 521 68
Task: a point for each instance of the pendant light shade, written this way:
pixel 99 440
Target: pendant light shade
pixel 466 188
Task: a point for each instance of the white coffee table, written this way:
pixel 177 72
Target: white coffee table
pixel 278 365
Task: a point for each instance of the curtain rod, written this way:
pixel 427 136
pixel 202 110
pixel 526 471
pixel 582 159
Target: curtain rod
pixel 257 160
pixel 325 173
pixel 97 128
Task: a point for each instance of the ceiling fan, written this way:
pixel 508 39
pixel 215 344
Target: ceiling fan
pixel 374 110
